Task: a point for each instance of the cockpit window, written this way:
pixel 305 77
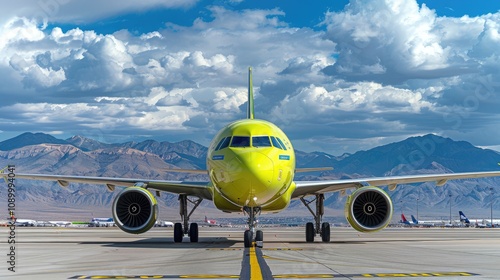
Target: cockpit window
pixel 261 141
pixel 281 142
pixel 276 143
pixel 240 141
pixel 224 142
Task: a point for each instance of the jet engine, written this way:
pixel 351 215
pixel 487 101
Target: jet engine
pixel 368 209
pixel 135 210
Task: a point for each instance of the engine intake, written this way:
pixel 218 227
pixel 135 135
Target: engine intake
pixel 368 209
pixel 135 210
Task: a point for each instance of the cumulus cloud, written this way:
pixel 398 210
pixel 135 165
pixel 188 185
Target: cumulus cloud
pixel 74 11
pixel 379 69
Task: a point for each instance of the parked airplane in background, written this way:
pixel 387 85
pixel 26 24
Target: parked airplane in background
pixel 24 222
pixel 427 223
pixel 210 222
pixel 164 224
pixel 251 168
pixel 102 222
pixel 60 223
pixel 481 222
pixel 405 221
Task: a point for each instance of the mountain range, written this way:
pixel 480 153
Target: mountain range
pixel 78 155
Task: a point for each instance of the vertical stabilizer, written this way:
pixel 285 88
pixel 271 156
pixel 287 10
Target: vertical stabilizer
pixel 415 221
pixel 250 111
pixel 463 218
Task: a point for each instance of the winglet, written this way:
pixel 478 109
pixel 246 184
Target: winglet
pixel 250 111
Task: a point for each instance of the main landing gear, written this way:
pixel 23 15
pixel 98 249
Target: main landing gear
pixel 181 229
pixel 322 229
pixel 251 232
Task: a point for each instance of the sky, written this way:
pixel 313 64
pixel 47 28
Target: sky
pixel 336 76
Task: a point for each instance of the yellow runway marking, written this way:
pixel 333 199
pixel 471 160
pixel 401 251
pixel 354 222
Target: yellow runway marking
pixel 255 272
pixel 279 276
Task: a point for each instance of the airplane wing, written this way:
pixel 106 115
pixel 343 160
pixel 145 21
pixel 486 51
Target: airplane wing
pixel 200 189
pixel 304 188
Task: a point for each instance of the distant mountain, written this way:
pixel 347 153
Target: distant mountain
pixel 27 139
pixel 42 153
pixel 415 153
pixel 87 144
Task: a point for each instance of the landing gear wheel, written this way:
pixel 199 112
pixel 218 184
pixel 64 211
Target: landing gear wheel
pixel 310 232
pixel 193 232
pixel 325 232
pixel 248 239
pixel 178 233
pixel 259 238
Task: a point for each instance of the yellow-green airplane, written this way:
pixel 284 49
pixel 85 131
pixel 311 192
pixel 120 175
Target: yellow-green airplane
pixel 251 166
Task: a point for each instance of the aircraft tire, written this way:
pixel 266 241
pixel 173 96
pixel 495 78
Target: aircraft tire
pixel 248 239
pixel 193 232
pixel 325 232
pixel 309 232
pixel 178 233
pixel 259 238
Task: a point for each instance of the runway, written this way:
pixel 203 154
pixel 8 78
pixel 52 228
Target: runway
pixel 108 253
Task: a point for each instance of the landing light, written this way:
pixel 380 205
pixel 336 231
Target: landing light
pixel 255 198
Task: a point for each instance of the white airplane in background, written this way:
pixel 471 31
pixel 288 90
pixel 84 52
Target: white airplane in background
pixel 432 223
pixel 102 222
pixel 60 223
pixel 24 222
pixel 251 169
pixel 164 224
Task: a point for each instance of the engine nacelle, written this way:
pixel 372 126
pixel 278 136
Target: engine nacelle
pixel 368 209
pixel 135 210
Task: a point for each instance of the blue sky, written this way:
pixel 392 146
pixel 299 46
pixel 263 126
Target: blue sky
pixel 337 76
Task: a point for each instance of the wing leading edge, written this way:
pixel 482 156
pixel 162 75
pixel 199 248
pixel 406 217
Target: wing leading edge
pixel 200 189
pixel 304 188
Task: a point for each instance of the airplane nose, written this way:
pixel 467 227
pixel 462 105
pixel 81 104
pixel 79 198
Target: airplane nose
pixel 259 168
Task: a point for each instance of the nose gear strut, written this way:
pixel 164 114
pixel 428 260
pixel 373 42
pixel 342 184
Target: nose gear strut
pixel 251 234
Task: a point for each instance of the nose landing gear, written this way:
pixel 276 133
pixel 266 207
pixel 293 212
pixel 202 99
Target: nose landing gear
pixel 252 235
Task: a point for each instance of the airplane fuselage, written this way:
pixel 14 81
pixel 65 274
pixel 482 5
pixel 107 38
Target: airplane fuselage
pixel 251 163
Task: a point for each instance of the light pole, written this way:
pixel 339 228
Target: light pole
pixel 450 208
pixel 491 206
pixel 418 198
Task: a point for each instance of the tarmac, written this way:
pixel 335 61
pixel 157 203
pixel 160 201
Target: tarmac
pixel 108 253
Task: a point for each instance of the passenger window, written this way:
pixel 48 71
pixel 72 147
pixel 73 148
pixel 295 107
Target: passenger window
pixel 281 142
pixel 261 141
pixel 276 143
pixel 240 141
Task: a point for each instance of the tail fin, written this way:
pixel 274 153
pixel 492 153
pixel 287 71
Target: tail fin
pixel 403 218
pixel 463 218
pixel 250 111
pixel 415 221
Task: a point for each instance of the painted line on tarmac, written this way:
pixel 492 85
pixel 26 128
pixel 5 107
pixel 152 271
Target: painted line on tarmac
pixel 253 265
pixel 279 276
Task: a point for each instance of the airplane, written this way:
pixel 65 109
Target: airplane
pixel 426 223
pixel 102 222
pixel 484 222
pixel 210 222
pixel 406 222
pixel 24 222
pixel 164 224
pixel 251 169
pixel 60 223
